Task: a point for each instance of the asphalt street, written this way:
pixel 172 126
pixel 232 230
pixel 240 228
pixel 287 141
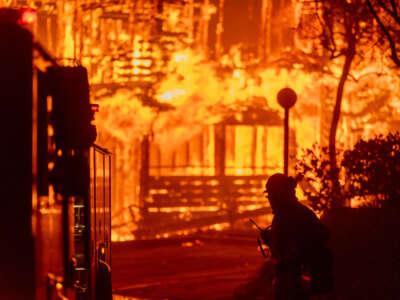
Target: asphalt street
pixel 200 267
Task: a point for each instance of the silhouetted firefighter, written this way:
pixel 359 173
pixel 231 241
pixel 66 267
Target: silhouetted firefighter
pixel 298 243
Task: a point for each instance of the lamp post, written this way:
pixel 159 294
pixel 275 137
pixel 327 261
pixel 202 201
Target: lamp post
pixel 286 98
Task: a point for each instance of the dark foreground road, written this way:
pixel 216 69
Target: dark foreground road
pixel 200 267
pixel 365 244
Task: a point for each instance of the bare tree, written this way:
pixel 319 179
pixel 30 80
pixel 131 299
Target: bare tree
pixel 341 30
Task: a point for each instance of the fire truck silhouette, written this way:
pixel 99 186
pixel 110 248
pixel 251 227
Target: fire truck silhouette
pixel 55 216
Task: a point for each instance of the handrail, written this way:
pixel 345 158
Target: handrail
pixel 100 149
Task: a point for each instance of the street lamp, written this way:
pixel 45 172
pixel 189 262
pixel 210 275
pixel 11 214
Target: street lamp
pixel 286 98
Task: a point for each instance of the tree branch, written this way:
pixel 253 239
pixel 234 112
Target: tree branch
pixel 392 44
pixel 385 8
pixel 394 7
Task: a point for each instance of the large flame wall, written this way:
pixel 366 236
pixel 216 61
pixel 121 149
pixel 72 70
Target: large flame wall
pixel 170 69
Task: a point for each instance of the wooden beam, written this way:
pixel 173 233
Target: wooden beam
pixel 144 171
pixel 253 148
pixel 220 145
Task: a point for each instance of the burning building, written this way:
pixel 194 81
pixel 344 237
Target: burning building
pixel 187 93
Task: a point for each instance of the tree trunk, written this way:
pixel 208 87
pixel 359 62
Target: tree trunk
pixel 350 53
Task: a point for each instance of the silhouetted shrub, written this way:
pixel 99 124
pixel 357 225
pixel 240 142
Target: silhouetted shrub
pixel 373 169
pixel 369 173
pixel 315 176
